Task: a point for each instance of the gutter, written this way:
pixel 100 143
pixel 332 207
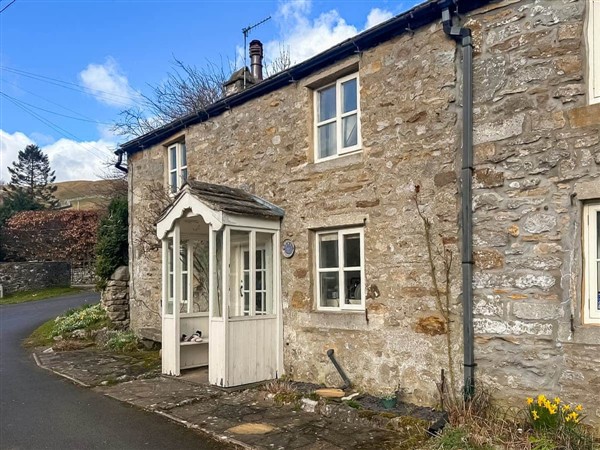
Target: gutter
pixel 407 22
pixel 463 36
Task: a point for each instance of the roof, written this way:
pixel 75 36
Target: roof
pixel 417 17
pixel 228 200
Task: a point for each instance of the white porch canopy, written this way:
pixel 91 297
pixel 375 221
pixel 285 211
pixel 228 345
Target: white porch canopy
pixel 224 281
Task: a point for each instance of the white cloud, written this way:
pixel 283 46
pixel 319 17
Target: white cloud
pixel 377 16
pixel 305 36
pixel 108 84
pixel 71 160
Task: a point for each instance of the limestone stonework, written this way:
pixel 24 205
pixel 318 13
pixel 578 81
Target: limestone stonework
pixel 115 297
pixel 536 146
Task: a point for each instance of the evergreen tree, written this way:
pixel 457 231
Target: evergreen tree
pixel 31 179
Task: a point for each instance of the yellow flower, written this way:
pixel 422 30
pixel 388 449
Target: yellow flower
pixel 547 404
pixel 567 419
pixel 573 415
pixel 578 408
pixel 529 400
pixel 535 415
pixel 552 410
pixel 566 407
pixel 556 400
pixel 541 399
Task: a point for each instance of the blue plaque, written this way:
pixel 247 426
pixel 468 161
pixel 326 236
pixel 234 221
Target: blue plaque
pixel 288 248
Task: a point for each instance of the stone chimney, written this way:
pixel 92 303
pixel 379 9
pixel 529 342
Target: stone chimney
pixel 256 59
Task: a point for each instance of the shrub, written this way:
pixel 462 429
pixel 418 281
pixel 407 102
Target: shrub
pixel 85 318
pixel 123 341
pixel 112 246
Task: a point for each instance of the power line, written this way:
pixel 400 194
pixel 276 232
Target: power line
pixel 50 101
pixel 57 128
pixel 68 85
pixel 56 113
pixel 6 7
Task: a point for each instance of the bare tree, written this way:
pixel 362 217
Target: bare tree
pixel 187 89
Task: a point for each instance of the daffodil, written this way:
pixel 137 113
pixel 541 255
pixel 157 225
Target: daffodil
pixel 529 400
pixel 566 407
pixel 535 415
pixel 578 408
pixel 557 400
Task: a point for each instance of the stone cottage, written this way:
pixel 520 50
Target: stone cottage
pixel 431 182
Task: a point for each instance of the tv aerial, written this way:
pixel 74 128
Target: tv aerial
pixel 246 31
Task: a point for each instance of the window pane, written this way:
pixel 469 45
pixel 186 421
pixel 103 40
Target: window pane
pixel 328 251
pixel 352 250
pixel 598 235
pixel 350 131
pixel 173 156
pixel 327 103
pixel 173 182
pixel 330 291
pixel 265 271
pixel 183 306
pixel 260 306
pixel 598 286
pixel 352 287
pixel 239 274
pixel 183 155
pixel 217 268
pixel 183 256
pixel 327 140
pixel 349 101
pixel 183 175
pixel 200 277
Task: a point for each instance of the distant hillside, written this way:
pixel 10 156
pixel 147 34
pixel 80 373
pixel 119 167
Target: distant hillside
pixel 87 194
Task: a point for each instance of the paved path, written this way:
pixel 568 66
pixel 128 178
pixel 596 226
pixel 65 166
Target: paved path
pixel 41 411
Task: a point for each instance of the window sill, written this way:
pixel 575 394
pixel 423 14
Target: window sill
pixel 336 162
pixel 334 320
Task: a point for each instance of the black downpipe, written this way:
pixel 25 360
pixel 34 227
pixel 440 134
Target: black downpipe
pixel 463 35
pixel 119 162
pixel 347 382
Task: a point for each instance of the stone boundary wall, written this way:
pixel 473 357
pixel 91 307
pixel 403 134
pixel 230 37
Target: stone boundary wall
pixel 26 276
pixel 115 297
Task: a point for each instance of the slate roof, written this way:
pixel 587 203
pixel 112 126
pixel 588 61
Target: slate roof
pixel 229 200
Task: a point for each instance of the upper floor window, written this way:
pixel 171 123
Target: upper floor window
pixel 177 166
pixel 591 256
pixel 594 50
pixel 337 118
pixel 340 269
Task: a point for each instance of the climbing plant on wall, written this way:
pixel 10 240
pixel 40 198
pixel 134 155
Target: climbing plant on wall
pixel 112 247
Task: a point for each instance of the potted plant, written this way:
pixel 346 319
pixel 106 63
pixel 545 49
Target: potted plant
pixel 389 401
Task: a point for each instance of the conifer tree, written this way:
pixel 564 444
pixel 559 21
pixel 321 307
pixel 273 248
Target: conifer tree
pixel 32 178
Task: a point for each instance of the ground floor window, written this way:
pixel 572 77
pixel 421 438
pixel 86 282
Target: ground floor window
pixel 340 270
pixel 591 256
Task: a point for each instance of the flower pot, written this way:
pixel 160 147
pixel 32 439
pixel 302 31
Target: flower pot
pixel 389 403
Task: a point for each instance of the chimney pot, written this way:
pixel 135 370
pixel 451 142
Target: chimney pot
pixel 256 59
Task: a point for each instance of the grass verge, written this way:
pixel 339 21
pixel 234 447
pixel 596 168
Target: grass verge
pixel 41 336
pixel 42 294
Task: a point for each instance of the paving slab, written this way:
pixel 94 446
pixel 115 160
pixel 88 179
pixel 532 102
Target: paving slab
pixel 248 418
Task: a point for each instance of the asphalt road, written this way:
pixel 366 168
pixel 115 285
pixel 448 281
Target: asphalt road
pixel 39 410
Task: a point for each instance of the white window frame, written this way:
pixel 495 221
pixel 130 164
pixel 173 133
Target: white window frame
pixel 340 269
pixel 591 310
pixel 180 150
pixel 340 151
pixel 269 273
pixel 593 27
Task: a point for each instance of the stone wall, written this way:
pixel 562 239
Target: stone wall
pixel 27 276
pixel 536 142
pixel 537 157
pixel 115 297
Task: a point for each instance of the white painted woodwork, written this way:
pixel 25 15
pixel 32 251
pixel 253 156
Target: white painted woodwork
pixel 238 350
pixel 252 342
pixel 170 327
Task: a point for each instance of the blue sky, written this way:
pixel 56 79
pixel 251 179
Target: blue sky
pixel 69 67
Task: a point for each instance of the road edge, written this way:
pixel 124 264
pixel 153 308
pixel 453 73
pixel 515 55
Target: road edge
pixel 185 423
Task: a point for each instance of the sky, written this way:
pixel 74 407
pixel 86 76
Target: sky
pixel 69 67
